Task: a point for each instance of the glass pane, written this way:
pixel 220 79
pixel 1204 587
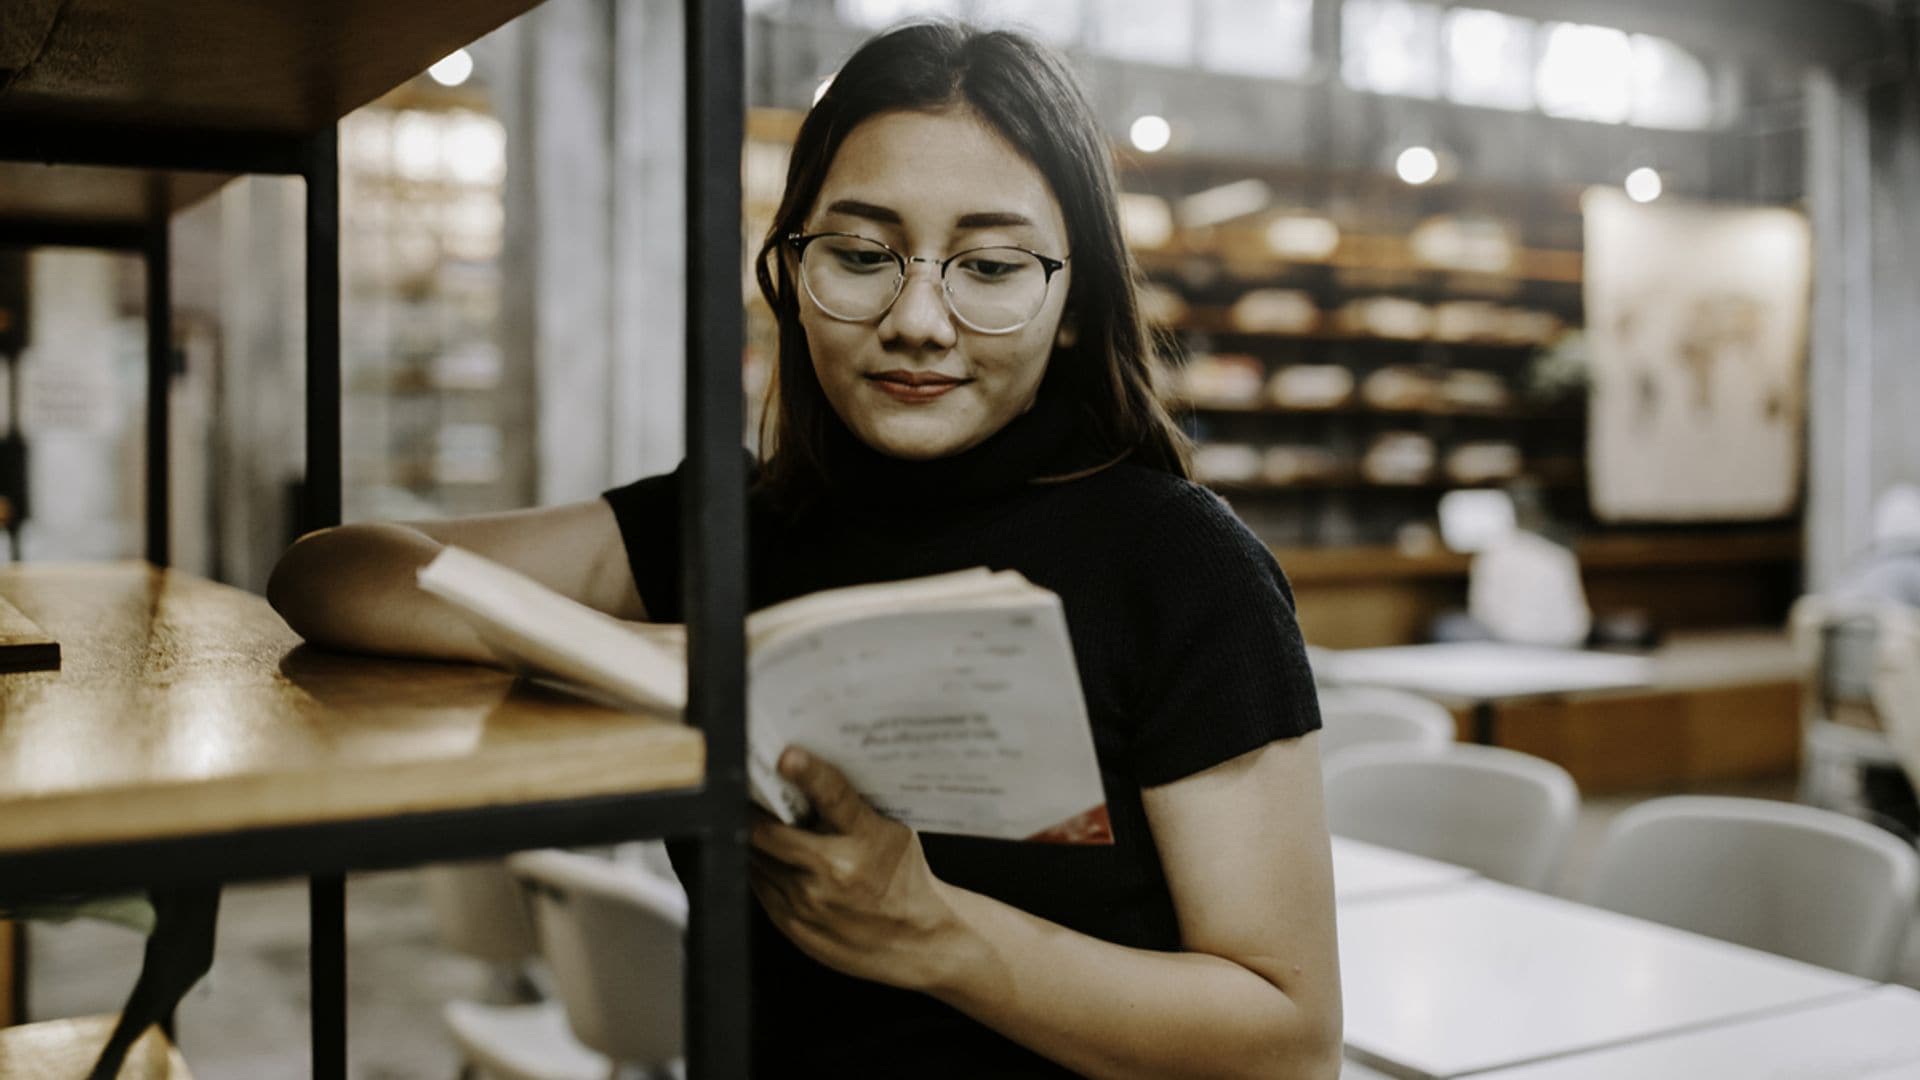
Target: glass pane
pixel 875 14
pixel 1149 31
pixel 1489 59
pixel 1057 22
pixel 1671 87
pixel 1258 37
pixel 1586 73
pixel 1391 47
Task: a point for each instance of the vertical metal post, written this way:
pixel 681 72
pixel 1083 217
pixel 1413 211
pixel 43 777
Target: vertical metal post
pixel 157 250
pixel 322 490
pixel 326 894
pixel 713 537
pixel 327 974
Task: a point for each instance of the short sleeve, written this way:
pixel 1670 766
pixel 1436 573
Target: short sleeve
pixel 1224 666
pixel 648 512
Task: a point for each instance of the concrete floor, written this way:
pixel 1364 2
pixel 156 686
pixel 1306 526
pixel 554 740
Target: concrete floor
pixel 247 1020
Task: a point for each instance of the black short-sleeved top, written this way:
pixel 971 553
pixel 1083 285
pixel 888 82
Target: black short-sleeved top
pixel 1188 653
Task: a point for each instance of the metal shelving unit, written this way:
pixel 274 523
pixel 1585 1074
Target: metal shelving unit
pixel 123 113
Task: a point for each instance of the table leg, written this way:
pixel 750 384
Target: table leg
pixel 327 964
pixel 178 953
pixel 1483 717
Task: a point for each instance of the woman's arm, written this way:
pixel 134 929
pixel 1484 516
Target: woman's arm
pixel 1246 855
pixel 352 587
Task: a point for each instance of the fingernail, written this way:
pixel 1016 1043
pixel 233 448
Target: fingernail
pixel 794 758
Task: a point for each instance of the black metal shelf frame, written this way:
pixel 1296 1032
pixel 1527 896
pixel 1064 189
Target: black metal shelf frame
pixel 714 523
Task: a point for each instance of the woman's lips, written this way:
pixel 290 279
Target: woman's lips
pixel 914 387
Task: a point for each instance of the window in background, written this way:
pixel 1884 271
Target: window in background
pixel 1585 73
pixel 422 224
pixel 1257 37
pixel 1056 22
pixel 1391 47
pixel 1489 59
pixel 877 14
pixel 1148 31
pixel 1671 87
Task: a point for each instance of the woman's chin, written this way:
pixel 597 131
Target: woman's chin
pixel 915 439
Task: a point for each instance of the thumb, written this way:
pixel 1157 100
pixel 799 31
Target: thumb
pixel 826 787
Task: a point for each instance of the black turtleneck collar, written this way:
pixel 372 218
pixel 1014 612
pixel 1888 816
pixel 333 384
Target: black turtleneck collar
pixel 1038 443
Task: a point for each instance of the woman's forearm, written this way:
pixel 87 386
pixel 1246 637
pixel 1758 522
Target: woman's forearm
pixel 353 588
pixel 1106 1010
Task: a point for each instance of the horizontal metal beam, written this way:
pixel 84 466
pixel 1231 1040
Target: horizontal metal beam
pixel 339 847
pixel 107 236
pixel 145 146
pixel 1827 33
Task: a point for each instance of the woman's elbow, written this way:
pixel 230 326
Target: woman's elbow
pixel 1308 1047
pixel 292 587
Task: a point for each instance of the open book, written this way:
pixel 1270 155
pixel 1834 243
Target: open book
pixel 950 702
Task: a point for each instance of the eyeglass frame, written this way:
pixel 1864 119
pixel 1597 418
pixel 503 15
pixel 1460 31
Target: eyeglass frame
pixel 1048 264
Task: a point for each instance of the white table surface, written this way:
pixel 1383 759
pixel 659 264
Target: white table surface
pixel 1481 976
pixel 1858 1035
pixel 1363 871
pixel 1483 670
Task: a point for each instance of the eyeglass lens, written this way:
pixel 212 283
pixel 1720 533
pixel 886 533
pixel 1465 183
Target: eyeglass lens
pixel 990 289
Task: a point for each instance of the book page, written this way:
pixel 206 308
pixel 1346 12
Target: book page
pixel 838 605
pixel 950 720
pixel 951 702
pixel 541 632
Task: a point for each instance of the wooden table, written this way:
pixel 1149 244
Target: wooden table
pixel 189 739
pixel 186 709
pixel 1363 871
pixel 1483 673
pixel 1871 1033
pixel 1480 976
pixel 1704 706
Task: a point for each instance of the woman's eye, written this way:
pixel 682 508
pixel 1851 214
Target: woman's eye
pixel 861 259
pixel 990 269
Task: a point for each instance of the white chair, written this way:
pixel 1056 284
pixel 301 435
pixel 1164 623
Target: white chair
pixel 612 936
pixel 1359 715
pixel 1505 814
pixel 478 910
pixel 1796 880
pixel 1321 661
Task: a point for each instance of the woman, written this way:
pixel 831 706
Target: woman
pixel 964 380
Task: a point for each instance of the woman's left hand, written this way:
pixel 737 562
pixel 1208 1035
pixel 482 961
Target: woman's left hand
pixel 854 891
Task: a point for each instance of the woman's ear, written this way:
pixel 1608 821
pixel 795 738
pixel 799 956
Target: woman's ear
pixel 1069 332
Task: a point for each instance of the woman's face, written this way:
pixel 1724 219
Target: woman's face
pixel 916 382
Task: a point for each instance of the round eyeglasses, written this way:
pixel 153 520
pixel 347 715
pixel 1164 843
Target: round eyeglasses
pixel 991 290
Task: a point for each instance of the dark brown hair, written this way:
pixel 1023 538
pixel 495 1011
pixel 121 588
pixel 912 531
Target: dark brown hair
pixel 1026 93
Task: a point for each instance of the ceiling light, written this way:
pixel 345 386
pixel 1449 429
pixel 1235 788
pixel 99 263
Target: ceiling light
pixel 1417 165
pixel 1150 134
pixel 454 70
pixel 1643 185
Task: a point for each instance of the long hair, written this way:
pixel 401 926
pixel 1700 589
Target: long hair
pixel 1027 94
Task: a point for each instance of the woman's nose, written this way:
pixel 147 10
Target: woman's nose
pixel 919 317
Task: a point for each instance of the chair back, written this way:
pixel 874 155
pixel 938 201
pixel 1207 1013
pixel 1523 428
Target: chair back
pixel 1847 646
pixel 612 936
pixel 478 911
pixel 1505 814
pixel 1360 715
pixel 1796 880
